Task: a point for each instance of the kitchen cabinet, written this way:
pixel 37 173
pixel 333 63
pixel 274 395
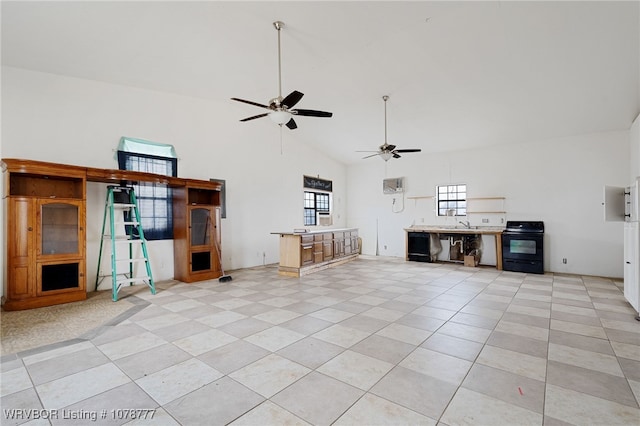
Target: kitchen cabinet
pixel 196 233
pixel 327 246
pixel 338 244
pixel 304 253
pixel 45 236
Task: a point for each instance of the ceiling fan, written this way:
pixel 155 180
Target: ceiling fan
pixel 386 151
pixel 280 109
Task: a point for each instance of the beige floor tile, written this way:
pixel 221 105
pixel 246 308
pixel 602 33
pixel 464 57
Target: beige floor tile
pixel 356 369
pixel 625 350
pixel 131 345
pixel 473 408
pixel 514 362
pixel 341 335
pixel 184 378
pixel 584 330
pixel 331 314
pixel 373 410
pixel 463 331
pixel 79 386
pixel 435 364
pixel 269 375
pixel 585 359
pixel 581 409
pixel 269 413
pixel 505 386
pixel 197 344
pixel 404 333
pixel 524 330
pixel 274 338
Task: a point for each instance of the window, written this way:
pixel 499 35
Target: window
pixel 314 202
pixel 452 200
pixel 154 200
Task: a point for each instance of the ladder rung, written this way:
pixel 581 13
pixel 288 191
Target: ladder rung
pixel 122 239
pixel 132 280
pixel 138 259
pixel 126 223
pixel 123 205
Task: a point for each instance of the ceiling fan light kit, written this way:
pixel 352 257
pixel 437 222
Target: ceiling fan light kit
pixel 387 151
pixel 280 109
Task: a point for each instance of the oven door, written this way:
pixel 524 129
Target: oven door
pixel 522 246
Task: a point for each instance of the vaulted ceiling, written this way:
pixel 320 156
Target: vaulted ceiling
pixel 459 74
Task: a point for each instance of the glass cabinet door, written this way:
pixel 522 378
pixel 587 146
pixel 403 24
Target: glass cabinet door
pixel 200 226
pixel 59 228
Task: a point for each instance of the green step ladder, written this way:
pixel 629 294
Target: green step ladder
pixel 122 199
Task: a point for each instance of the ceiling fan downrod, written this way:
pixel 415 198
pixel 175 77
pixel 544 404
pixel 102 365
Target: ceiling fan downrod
pixel 385 98
pixel 279 25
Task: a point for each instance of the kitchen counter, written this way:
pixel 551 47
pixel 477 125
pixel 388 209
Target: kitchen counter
pixel 315 231
pixel 496 231
pixel 475 230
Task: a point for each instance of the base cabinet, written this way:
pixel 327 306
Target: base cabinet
pixel 301 254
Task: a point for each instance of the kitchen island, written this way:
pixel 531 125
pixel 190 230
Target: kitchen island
pixel 302 253
pixel 442 232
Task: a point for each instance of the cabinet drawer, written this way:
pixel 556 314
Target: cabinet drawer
pixel 338 235
pixel 304 239
pixel 317 238
pixel 327 236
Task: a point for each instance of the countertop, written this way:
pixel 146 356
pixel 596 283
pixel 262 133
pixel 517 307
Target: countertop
pixel 315 231
pixel 435 229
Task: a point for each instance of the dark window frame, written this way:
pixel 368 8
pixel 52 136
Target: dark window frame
pixel 159 224
pixel 315 202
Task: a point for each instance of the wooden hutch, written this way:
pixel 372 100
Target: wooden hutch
pixel 46 221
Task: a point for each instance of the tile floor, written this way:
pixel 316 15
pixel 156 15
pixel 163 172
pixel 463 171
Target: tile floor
pixel 372 342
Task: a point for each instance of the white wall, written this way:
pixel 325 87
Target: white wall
pixel 634 149
pixel 67 120
pixel 557 181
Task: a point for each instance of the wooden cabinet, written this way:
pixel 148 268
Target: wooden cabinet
pixel 303 253
pixel 45 221
pixel 327 246
pixel 338 244
pixel 196 234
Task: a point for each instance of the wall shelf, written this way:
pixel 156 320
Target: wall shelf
pixel 416 197
pixel 486 205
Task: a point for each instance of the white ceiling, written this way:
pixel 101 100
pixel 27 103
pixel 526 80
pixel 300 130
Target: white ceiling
pixel 459 74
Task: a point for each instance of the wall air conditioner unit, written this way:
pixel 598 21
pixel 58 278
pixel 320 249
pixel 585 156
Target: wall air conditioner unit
pixel 393 185
pixel 324 219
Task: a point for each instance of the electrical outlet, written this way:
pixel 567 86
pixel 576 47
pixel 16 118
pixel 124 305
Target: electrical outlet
pixel 564 260
pixel 484 220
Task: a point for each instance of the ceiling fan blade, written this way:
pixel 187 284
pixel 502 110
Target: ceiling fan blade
pixel 387 148
pixel 407 150
pixel 311 113
pixel 292 99
pixel 372 155
pixel 255 116
pixel 250 103
pixel 378 152
pixel 395 155
pixel 291 124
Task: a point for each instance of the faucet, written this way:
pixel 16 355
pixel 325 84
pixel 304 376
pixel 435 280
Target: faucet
pixel 466 224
